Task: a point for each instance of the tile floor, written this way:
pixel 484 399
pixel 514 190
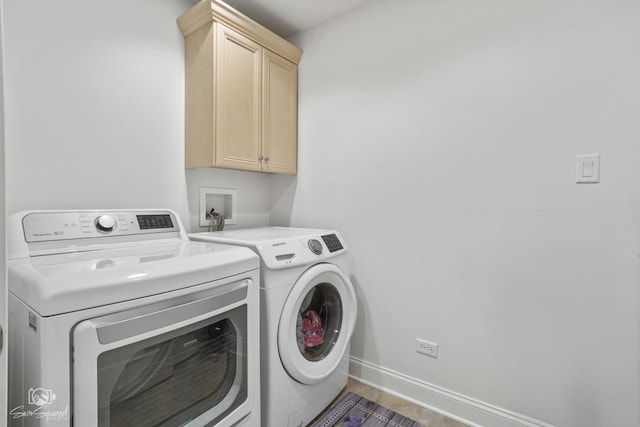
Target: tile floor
pixel 424 416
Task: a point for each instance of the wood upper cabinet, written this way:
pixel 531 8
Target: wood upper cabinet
pixel 279 114
pixel 241 92
pixel 238 108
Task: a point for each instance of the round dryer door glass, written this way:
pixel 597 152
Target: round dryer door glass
pixel 319 322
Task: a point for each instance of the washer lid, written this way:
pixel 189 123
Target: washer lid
pixel 55 284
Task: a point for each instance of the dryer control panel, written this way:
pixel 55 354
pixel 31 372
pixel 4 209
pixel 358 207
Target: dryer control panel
pixel 54 226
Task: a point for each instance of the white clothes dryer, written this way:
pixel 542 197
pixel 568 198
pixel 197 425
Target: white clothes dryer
pixel 117 318
pixel 308 313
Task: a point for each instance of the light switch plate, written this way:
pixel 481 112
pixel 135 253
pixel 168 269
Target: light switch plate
pixel 588 168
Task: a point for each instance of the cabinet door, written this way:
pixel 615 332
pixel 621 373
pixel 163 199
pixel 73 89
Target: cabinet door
pixel 238 101
pixel 279 114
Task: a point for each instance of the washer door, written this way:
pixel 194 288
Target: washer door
pixel 316 323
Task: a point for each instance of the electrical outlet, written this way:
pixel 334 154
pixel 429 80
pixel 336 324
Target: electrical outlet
pixel 426 347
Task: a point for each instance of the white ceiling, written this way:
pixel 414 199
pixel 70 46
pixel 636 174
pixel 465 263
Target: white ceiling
pixel 287 17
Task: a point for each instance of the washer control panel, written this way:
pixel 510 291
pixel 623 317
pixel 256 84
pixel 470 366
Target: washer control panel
pixel 315 246
pixel 332 242
pixel 282 247
pixel 286 252
pixel 52 226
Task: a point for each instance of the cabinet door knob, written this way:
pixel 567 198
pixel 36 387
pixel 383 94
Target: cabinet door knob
pixel 261 158
pixel 266 159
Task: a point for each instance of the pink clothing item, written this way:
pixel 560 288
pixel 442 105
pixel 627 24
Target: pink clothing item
pixel 312 330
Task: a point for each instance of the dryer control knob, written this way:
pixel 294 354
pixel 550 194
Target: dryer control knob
pixel 105 223
pixel 315 246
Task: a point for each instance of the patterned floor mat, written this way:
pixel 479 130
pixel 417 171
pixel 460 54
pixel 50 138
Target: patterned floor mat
pixel 353 407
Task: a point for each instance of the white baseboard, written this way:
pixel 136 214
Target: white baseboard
pixel 449 403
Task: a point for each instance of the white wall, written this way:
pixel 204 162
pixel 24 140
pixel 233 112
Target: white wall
pixel 440 138
pixel 3 270
pixel 95 110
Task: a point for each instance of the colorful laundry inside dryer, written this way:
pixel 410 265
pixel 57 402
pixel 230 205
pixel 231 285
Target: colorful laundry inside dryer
pixel 312 330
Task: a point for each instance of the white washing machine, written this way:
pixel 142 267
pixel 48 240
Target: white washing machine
pixel 308 313
pixel 116 318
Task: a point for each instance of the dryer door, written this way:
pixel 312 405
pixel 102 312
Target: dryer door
pixel 316 323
